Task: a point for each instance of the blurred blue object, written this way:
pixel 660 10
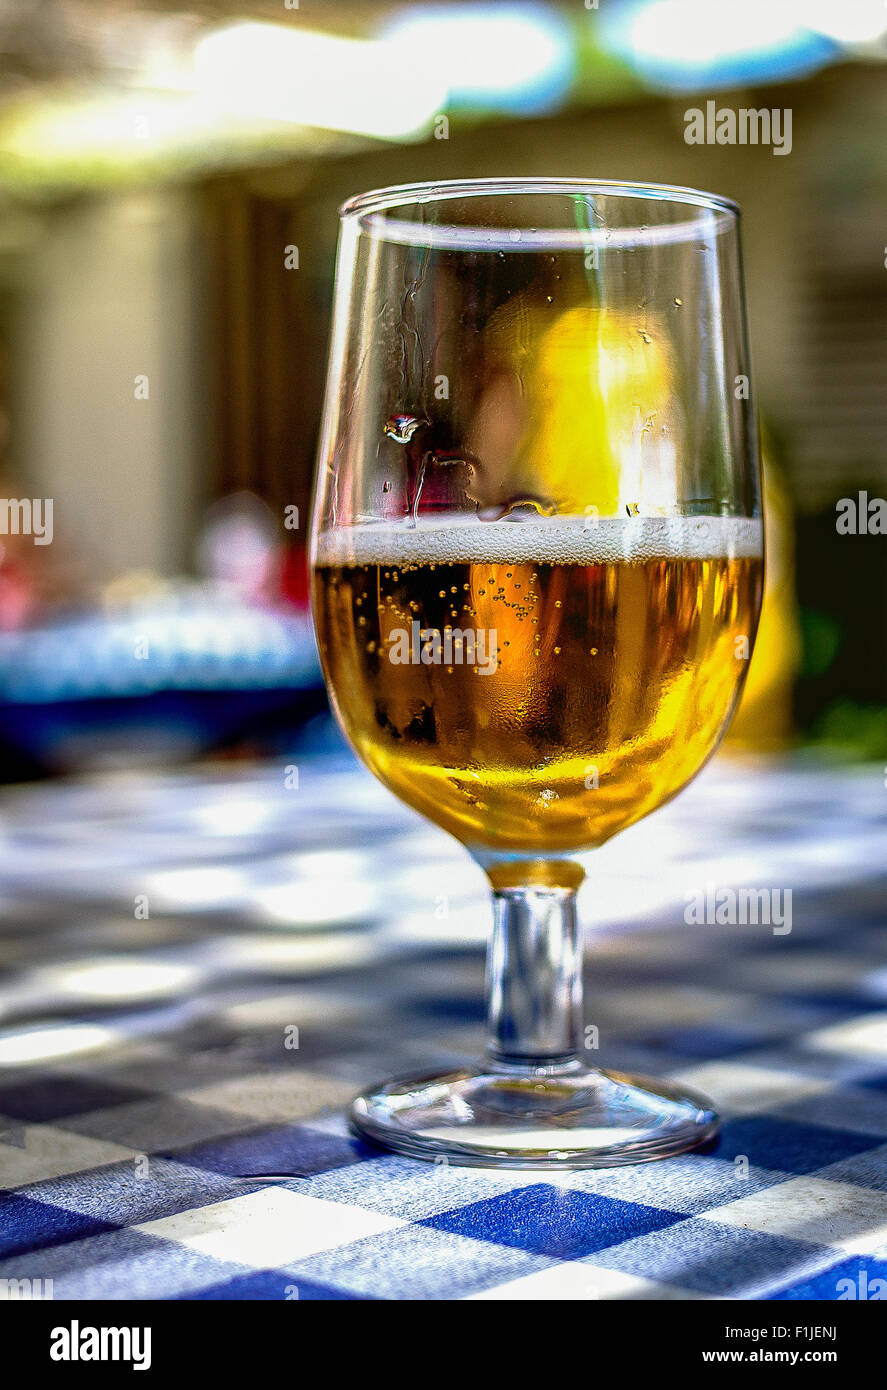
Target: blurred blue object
pixel 170 677
pixel 688 45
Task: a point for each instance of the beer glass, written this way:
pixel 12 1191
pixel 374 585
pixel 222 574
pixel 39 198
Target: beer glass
pixel 536 556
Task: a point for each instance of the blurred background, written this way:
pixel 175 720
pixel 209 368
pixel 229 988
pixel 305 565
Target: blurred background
pixel 169 181
pixel 187 847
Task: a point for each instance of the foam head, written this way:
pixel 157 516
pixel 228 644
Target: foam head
pixel 544 540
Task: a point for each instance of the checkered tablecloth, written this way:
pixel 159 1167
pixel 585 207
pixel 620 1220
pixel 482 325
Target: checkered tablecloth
pixel 199 970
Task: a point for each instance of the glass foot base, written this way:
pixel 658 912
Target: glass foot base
pixel 516 1117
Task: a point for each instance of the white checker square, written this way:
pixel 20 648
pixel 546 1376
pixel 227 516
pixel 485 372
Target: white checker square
pixel 840 1215
pixel 865 1036
pixel 47 1152
pixel 271 1227
pixel 282 1095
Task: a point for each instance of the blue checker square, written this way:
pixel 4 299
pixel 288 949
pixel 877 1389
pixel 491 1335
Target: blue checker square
pixel 46 1099
pixel 27 1224
pixel 769 1141
pixel 860 1279
pixel 272 1285
pixel 709 1042
pixel 298 1150
pixel 560 1224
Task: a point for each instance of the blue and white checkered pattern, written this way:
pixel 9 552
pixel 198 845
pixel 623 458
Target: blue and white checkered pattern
pixel 201 970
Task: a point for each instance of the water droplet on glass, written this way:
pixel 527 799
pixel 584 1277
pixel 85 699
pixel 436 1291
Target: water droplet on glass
pixel 645 335
pixel 677 302
pixel 386 486
pixel 632 509
pixel 401 428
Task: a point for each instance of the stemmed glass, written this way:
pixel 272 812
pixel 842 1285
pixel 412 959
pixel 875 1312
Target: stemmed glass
pixel 537 554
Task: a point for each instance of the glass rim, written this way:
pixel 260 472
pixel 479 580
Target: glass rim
pixel 368 211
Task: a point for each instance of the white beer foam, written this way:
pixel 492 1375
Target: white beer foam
pixel 543 540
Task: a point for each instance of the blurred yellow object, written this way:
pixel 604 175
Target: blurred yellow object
pixel 584 401
pixel 599 378
pixel 763 721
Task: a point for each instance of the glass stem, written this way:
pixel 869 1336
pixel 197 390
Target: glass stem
pixel 534 980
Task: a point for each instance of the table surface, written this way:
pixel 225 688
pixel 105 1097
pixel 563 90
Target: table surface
pixel 200 969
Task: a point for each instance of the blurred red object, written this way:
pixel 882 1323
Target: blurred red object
pixel 294 576
pixel 18 597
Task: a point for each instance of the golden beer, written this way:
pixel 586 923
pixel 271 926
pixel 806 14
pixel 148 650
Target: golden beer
pixel 537 686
